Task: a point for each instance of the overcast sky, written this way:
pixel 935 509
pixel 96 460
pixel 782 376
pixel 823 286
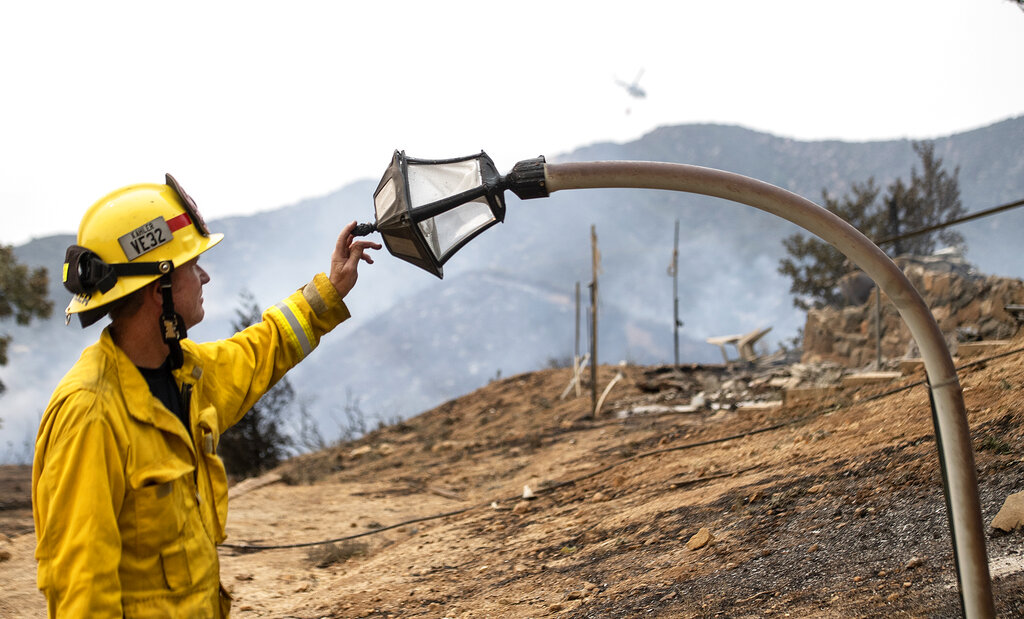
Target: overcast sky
pixel 254 105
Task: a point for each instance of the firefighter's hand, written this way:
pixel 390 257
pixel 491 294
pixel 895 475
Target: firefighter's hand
pixel 345 260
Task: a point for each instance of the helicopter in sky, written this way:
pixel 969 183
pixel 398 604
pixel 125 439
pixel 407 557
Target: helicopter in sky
pixel 634 89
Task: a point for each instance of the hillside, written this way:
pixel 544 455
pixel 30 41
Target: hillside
pixel 523 272
pixel 823 507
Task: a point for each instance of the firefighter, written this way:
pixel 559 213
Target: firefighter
pixel 129 496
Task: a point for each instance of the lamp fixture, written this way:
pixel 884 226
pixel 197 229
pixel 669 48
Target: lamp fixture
pixel 428 209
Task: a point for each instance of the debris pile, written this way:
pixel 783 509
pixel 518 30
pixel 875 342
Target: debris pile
pixel 693 388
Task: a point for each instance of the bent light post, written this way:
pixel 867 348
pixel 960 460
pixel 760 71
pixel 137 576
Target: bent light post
pixel 535 178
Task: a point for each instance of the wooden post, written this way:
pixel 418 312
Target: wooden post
pixel 878 328
pixel 576 346
pixel 674 272
pixel 595 265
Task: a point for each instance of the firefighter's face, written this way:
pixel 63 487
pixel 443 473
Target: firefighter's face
pixel 187 285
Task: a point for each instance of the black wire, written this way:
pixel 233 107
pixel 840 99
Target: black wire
pixel 959 220
pixel 253 548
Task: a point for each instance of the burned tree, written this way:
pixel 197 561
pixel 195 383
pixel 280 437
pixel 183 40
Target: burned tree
pixel 892 220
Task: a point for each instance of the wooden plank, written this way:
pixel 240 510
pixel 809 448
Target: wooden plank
pixel 870 378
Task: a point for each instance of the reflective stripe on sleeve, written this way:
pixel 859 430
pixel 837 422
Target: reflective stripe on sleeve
pixel 299 331
pixel 312 296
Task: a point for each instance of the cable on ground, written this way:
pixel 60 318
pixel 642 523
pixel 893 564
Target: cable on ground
pixel 250 548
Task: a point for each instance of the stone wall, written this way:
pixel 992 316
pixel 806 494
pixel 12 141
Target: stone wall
pixel 967 306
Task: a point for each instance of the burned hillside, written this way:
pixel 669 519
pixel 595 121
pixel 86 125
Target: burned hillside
pixel 824 507
pixel 772 488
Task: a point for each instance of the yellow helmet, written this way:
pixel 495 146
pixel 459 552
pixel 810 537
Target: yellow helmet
pixel 128 239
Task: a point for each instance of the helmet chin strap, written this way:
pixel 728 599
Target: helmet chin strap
pixel 172 326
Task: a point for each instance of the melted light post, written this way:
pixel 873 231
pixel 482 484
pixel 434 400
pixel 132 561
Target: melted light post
pixel 428 210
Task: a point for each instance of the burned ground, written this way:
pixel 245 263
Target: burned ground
pixel 831 507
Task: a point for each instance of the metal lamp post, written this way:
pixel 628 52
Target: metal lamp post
pixel 535 178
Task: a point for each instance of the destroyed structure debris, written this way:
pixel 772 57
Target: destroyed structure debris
pixel 976 312
pixel 967 306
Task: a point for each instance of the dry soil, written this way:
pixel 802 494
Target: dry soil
pixel 828 508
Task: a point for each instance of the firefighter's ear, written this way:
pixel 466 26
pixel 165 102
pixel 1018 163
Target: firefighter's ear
pixel 152 295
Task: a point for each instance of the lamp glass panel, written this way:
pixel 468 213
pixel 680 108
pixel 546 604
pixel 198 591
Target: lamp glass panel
pixel 386 201
pixel 402 247
pixel 431 182
pixel 447 230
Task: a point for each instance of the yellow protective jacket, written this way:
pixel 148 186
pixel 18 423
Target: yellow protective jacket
pixel 128 507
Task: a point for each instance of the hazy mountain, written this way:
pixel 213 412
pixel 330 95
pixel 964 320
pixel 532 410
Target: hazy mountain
pixel 506 303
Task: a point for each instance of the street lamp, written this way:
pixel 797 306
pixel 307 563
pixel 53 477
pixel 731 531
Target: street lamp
pixel 429 209
pixel 403 209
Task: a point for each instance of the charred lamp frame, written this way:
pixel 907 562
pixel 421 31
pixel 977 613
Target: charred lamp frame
pixel 428 209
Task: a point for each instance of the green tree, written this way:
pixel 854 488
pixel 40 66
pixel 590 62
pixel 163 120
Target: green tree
pixel 814 265
pixel 258 442
pixel 22 296
pixel 931 197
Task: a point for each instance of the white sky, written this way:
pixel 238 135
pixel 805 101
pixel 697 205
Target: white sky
pixel 254 105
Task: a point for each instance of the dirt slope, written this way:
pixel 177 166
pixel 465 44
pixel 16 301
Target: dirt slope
pixel 832 508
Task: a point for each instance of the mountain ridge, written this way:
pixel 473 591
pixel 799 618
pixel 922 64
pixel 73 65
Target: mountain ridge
pixel 728 260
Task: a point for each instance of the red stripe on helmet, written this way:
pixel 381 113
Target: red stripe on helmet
pixel 179 222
